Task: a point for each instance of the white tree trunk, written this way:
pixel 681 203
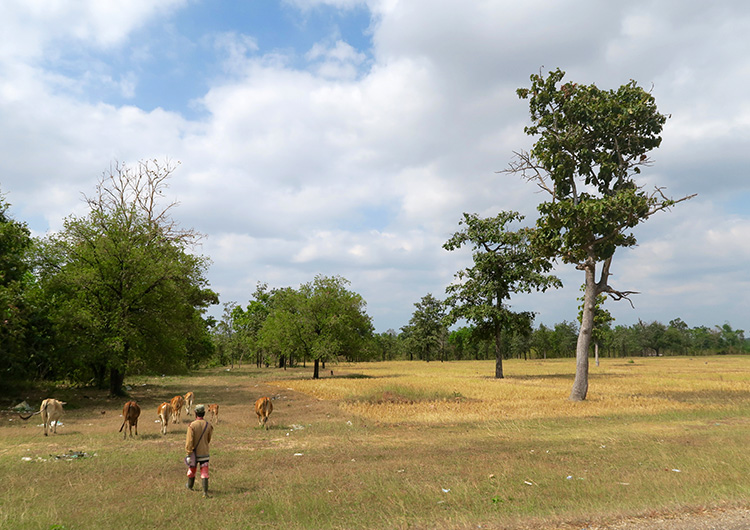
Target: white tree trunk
pixel 581 383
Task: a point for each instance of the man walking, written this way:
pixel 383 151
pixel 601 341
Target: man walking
pixel 196 445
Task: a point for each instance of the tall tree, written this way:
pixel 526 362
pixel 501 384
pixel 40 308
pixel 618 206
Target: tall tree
pixel 504 264
pixel 126 282
pixel 591 144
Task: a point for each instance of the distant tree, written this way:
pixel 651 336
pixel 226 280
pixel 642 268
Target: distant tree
pixel 504 264
pixel 651 337
pixel 129 294
pixel 677 337
pixel 248 322
pixel 591 144
pixel 386 345
pixel 541 341
pixel 321 321
pixel 564 339
pixel 427 331
pixel 731 340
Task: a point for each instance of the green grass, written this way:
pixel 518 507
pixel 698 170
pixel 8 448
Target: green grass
pixel 656 435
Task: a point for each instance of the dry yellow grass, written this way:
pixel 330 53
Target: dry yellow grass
pixel 397 445
pixel 532 389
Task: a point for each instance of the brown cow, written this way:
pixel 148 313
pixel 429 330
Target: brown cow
pixel 263 408
pixel 213 410
pixel 130 413
pixel 177 403
pixel 189 397
pixel 51 411
pixel 164 412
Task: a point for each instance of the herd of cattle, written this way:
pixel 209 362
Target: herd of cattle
pixel 169 411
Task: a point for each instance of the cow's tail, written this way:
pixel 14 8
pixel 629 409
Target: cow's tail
pixel 24 418
pixel 125 417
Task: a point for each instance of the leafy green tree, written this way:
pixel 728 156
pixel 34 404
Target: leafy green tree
pixel 504 264
pixel 541 341
pixel 129 294
pixel 321 321
pixel 731 340
pixel 248 322
pixel 426 331
pixel 677 337
pixel 591 143
pixel 15 278
pixel 651 337
pixel 564 338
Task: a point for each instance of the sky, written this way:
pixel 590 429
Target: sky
pixel 347 137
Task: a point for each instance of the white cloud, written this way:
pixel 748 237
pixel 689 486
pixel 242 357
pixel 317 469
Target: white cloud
pixel 361 162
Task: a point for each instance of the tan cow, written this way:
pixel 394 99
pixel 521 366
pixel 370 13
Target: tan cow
pixel 177 403
pixel 164 412
pixel 130 413
pixel 189 397
pixel 263 408
pixel 51 411
pixel 213 410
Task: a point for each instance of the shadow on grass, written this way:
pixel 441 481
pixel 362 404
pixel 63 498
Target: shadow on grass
pixel 150 436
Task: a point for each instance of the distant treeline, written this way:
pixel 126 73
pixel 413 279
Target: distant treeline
pixel 641 339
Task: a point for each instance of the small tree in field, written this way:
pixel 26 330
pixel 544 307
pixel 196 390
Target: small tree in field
pixel 504 263
pixel 591 145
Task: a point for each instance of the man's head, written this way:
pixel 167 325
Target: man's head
pixel 200 410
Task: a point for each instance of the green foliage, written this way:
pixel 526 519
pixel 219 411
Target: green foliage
pixel 125 294
pixel 427 332
pixel 322 320
pixel 505 263
pixel 17 311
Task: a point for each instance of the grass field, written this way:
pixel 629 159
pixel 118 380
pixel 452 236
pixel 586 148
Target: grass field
pixel 395 445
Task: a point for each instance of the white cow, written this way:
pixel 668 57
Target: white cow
pixel 51 411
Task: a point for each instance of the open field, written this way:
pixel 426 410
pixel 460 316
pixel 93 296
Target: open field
pixel 397 445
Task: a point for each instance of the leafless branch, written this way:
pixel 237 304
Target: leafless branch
pixel 665 203
pixel 530 171
pixel 136 192
pixel 620 295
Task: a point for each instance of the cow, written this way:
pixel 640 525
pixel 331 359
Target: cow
pixel 177 403
pixel 263 408
pixel 130 413
pixel 213 410
pixel 164 411
pixel 51 411
pixel 189 397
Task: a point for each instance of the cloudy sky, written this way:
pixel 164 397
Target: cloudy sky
pixel 347 137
